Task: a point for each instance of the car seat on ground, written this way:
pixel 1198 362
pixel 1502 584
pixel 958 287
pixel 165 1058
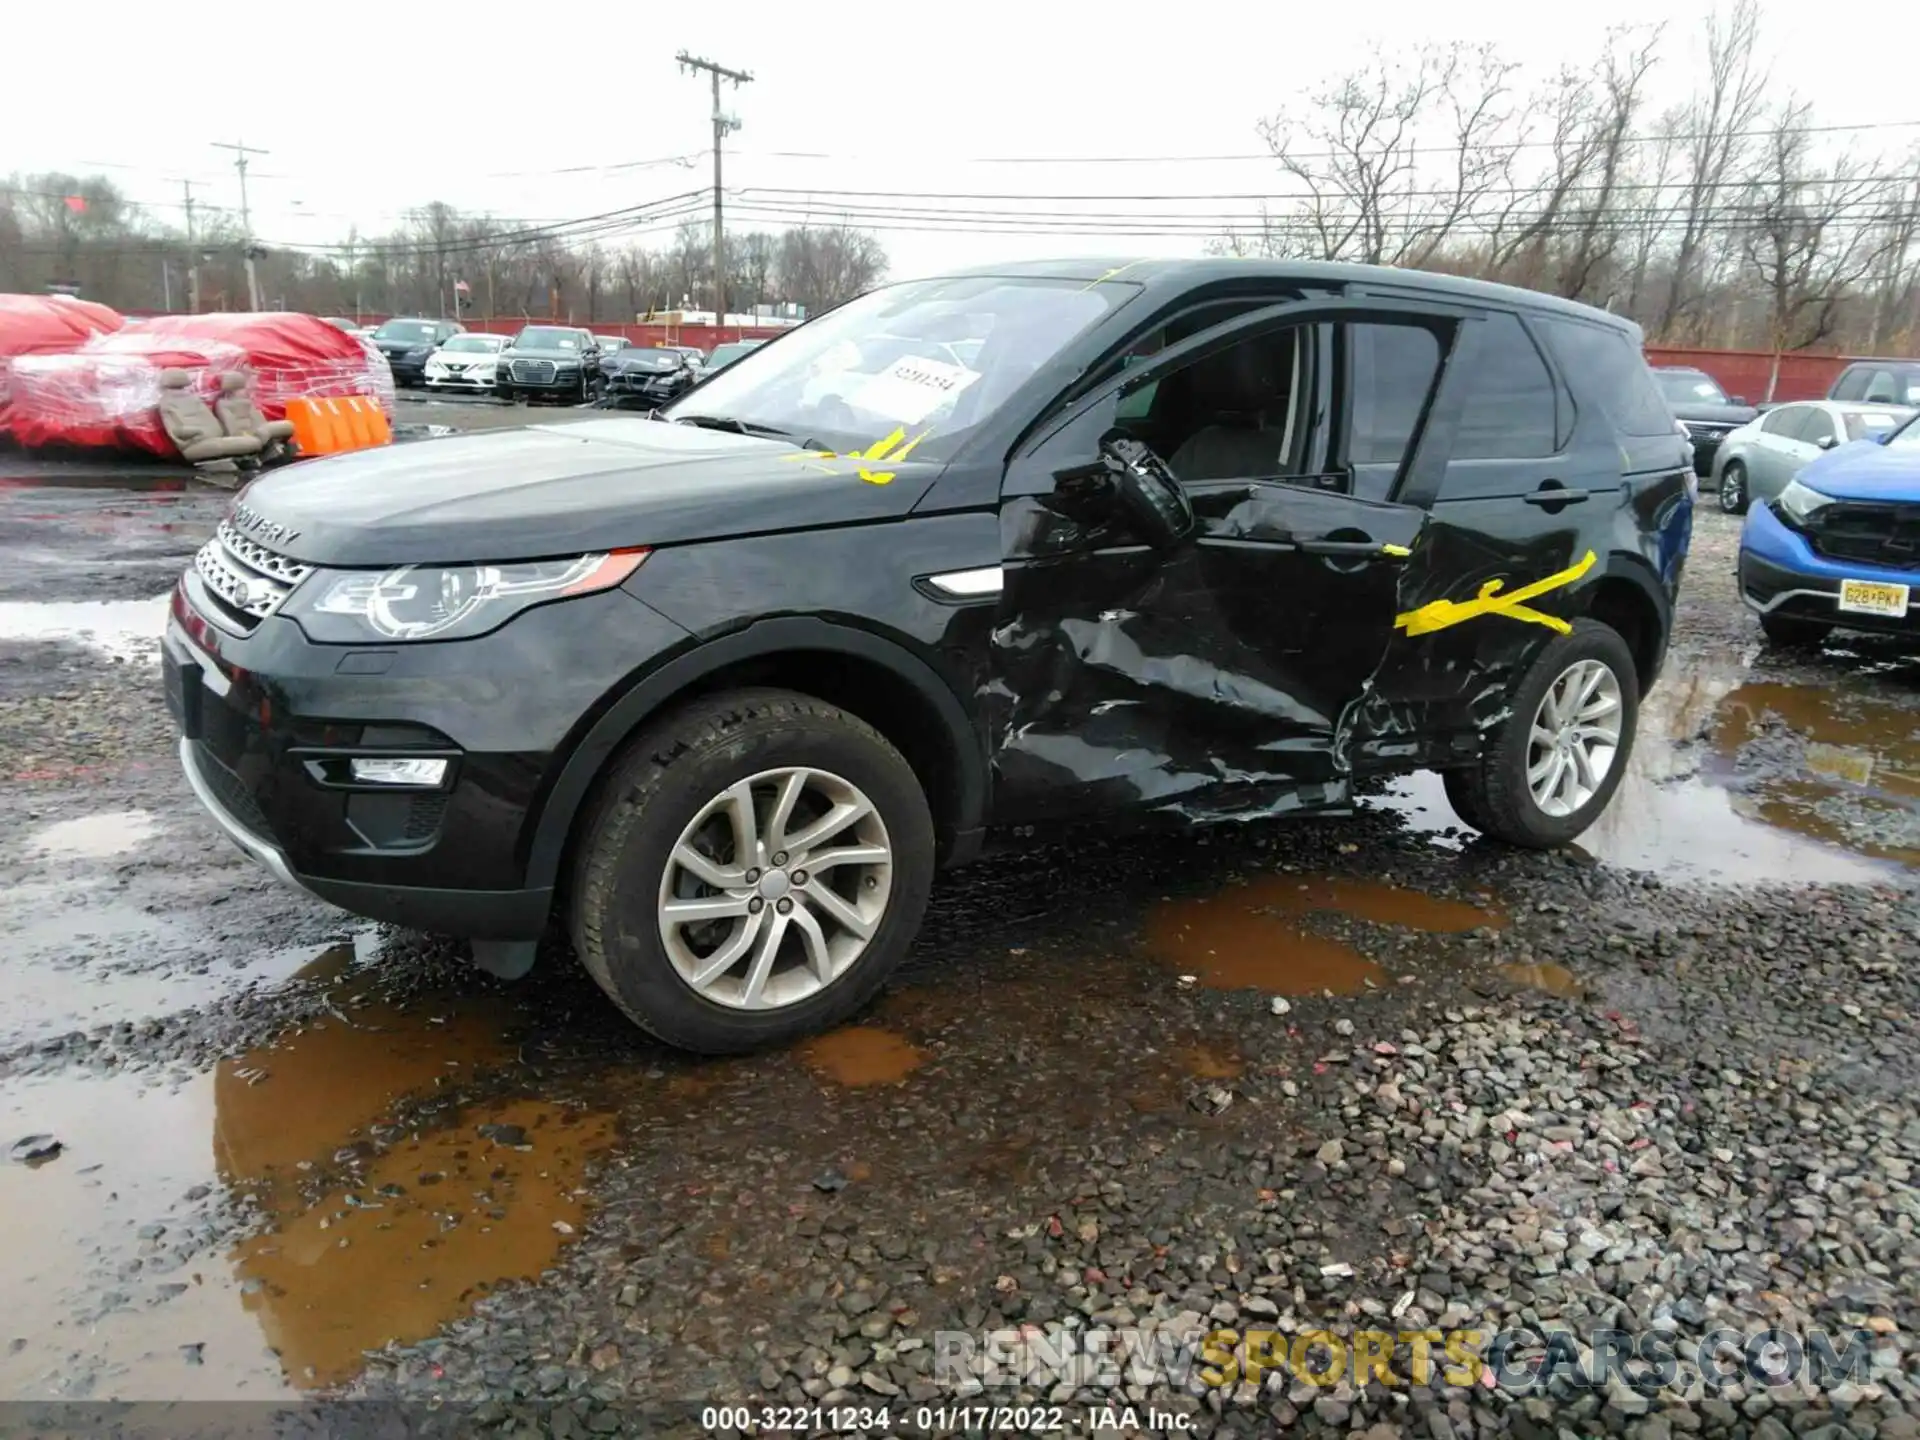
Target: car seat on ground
pixel 240 416
pixel 195 429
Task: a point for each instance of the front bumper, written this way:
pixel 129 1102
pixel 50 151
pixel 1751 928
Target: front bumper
pixel 268 719
pixel 1780 575
pixel 467 380
pixel 649 388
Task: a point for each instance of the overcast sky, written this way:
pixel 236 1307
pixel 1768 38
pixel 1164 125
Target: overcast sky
pixel 367 117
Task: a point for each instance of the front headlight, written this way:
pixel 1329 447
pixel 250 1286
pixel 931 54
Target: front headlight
pixel 1799 503
pixel 445 602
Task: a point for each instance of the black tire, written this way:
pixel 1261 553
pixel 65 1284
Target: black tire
pixel 1733 489
pixel 1493 796
pixel 657 787
pixel 1793 634
pixel 503 394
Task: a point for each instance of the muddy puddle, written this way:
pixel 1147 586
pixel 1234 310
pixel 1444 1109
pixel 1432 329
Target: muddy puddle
pixel 94 837
pixel 1260 935
pixel 1736 780
pixel 861 1055
pixel 117 629
pixel 374 1199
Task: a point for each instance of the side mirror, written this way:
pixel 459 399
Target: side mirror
pixel 1149 494
pixel 1827 442
pixel 1737 399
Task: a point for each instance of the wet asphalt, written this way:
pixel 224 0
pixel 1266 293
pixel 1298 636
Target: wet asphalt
pixel 1333 1073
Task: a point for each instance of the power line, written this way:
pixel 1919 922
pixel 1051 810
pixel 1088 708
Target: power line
pixel 1270 158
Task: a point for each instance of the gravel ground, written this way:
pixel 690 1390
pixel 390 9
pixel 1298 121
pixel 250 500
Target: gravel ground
pixel 1603 1098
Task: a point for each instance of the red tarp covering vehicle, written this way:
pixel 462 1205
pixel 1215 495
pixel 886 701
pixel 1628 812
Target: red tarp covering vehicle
pixel 46 325
pixel 106 393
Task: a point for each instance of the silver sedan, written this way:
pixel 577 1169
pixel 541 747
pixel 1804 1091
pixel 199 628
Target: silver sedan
pixel 1756 461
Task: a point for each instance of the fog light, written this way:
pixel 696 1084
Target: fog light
pixel 399 772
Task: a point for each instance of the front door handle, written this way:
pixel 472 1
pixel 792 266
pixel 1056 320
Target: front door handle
pixel 1552 492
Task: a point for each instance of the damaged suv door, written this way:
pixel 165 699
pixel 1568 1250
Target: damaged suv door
pixel 1194 633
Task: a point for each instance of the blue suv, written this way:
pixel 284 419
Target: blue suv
pixel 1839 548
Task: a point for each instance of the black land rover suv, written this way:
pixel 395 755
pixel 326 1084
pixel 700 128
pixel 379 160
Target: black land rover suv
pixel 723 687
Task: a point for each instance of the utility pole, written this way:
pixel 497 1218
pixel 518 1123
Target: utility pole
pixel 240 153
pixel 193 253
pixel 723 125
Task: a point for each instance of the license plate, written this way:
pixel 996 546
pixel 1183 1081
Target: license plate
pixel 1873 597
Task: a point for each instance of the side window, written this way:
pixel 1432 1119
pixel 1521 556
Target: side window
pixel 1883 389
pixel 1853 384
pixel 1605 364
pixel 1818 426
pixel 1784 422
pixel 1392 369
pixel 1509 411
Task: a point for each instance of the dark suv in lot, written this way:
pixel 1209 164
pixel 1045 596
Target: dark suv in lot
pixel 557 362
pixel 721 689
pixel 408 343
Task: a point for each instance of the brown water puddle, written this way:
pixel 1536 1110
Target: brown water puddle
pixel 1836 802
pixel 1855 779
pixel 391 1204
pixel 1251 937
pixel 862 1055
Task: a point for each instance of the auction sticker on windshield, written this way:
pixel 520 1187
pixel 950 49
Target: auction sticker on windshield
pixel 1872 597
pixel 912 388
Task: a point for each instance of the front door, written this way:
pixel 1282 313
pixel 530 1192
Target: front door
pixel 1217 676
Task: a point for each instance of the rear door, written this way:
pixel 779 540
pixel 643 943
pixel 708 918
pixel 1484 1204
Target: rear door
pixel 1218 677
pixel 1776 451
pixel 1520 518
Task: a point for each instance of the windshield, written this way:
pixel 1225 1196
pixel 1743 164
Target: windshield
pixel 1683 387
pixel 930 357
pixel 1872 422
pixel 610 342
pixel 534 339
pixel 405 330
pixel 724 354
pixel 1907 437
pixel 655 359
pixel 464 344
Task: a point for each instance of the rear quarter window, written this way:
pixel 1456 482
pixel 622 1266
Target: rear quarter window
pixel 1606 366
pixel 1509 413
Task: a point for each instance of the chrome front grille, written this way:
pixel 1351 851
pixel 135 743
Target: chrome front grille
pixel 1705 430
pixel 534 372
pixel 249 579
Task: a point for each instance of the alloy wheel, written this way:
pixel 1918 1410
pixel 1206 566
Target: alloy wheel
pixel 775 888
pixel 1575 738
pixel 1733 489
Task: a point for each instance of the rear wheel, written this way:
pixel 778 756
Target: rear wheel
pixel 1551 768
pixel 1733 488
pixel 1794 634
pixel 754 867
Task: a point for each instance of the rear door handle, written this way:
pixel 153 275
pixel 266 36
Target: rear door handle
pixel 1552 492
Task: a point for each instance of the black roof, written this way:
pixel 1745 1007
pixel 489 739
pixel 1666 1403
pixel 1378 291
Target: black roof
pixel 1170 276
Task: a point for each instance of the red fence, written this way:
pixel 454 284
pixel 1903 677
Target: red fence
pixel 1745 373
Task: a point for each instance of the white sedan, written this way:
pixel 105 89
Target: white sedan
pixel 465 362
pixel 1756 461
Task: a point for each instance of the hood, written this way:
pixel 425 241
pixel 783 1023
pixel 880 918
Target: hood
pixel 465 357
pixel 1715 414
pixel 640 360
pixel 1865 470
pixel 570 489
pixel 401 347
pixel 539 352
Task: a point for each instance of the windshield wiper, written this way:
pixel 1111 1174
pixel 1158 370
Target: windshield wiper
pixel 733 426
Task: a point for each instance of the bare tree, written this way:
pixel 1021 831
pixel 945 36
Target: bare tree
pixel 1720 122
pixel 1806 235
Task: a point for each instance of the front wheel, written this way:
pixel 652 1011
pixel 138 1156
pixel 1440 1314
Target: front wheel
pixel 755 866
pixel 1551 767
pixel 1733 489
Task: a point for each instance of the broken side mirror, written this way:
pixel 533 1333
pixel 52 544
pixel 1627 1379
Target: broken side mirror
pixel 1150 496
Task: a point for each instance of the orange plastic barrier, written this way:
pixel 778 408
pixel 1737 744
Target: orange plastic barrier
pixel 328 425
